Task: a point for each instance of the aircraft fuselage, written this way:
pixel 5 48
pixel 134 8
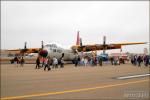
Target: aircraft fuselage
pixel 54 50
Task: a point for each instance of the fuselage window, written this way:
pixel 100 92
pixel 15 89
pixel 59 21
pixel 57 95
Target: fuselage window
pixel 50 48
pixel 54 50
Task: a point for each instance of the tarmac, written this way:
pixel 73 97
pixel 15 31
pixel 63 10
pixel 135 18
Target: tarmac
pixel 74 83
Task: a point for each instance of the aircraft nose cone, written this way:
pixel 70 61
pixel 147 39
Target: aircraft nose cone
pixel 43 53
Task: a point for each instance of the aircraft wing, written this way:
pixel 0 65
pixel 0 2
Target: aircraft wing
pixel 14 50
pixel 129 43
pixel 29 50
pixel 86 48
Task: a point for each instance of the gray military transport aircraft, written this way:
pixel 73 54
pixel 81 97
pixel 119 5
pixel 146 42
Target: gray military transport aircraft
pixel 53 49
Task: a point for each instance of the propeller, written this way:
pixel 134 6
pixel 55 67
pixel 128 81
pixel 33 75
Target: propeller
pixel 25 45
pixel 81 46
pixel 42 44
pixel 104 44
pixel 43 53
pixel 22 51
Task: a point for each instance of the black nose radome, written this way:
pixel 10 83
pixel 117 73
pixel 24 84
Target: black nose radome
pixel 43 53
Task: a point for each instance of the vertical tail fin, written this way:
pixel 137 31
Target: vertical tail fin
pixel 78 39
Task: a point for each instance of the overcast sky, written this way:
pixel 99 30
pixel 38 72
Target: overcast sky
pixel 59 21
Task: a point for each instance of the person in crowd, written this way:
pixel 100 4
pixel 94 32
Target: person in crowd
pixel 16 61
pixel 22 61
pixel 139 60
pixel 95 61
pixel 112 60
pixel 100 61
pixel 149 59
pixel 116 61
pixel 62 62
pixel 135 60
pixel 91 61
pixel 121 60
pixel 43 60
pixel 85 61
pixel 59 61
pixel 37 63
pixel 76 61
pixel 47 63
pixel 79 60
pixel 132 60
pixel 146 60
pixel 55 62
pixel 50 62
pixel 82 61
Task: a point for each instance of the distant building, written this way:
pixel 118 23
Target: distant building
pixel 145 51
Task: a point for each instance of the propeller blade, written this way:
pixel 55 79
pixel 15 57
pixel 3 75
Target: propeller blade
pixel 81 42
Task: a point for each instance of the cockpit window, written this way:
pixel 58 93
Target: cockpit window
pixel 51 45
pixel 59 51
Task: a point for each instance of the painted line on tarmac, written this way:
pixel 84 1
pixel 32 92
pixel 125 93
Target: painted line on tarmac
pixel 71 91
pixel 132 76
